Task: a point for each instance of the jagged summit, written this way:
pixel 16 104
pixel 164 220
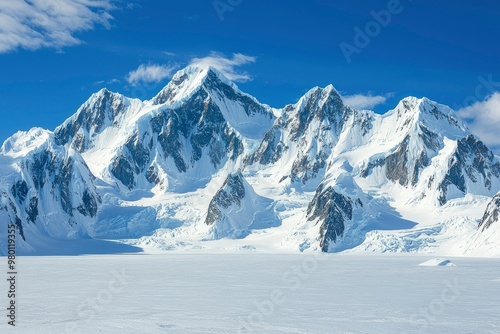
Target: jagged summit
pixel 320 104
pixel 316 95
pixel 101 111
pixel 317 91
pixel 25 141
pixel 438 118
pixel 190 79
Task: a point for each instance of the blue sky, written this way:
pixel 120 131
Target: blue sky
pixel 55 53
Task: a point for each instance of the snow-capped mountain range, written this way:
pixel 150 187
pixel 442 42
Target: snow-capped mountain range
pixel 205 166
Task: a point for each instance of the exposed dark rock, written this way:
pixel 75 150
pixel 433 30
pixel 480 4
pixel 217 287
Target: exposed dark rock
pixel 46 167
pixel 89 205
pixel 200 123
pixel 61 184
pixel 41 163
pixel 32 210
pixel 304 169
pixel 332 109
pixel 231 193
pixel 91 119
pixel 325 105
pixel 492 214
pixel 271 149
pixel 396 164
pixel 371 166
pixel 471 158
pixel 123 171
pixel 152 176
pixel 20 190
pixel 365 121
pixel 332 210
pixel 11 210
pixel 398 167
pixel 139 153
pixel 166 94
pixel 430 139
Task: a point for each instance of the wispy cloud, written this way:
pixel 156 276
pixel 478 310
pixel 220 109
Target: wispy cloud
pixel 150 73
pixel 133 5
pixel 36 24
pixel 228 66
pixel 483 119
pixel 365 101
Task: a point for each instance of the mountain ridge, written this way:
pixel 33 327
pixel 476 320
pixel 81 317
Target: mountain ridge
pixel 316 175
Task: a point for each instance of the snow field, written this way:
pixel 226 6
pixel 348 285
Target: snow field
pixel 255 293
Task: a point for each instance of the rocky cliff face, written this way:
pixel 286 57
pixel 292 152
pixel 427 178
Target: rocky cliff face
pixel 231 193
pixel 305 134
pixel 236 209
pixel 49 188
pixel 332 210
pixel 417 128
pixel 492 214
pixel 102 110
pixel 191 129
pixel 185 135
pixel 472 165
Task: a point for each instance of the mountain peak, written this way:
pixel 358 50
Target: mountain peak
pixel 320 94
pixel 317 102
pixel 437 117
pixel 103 96
pixel 100 111
pixel 189 80
pixel 196 74
pixel 423 105
pixel 104 92
pixel 25 141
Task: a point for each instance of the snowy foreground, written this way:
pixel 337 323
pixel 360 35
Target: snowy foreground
pixel 256 293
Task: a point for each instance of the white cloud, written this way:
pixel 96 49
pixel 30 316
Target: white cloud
pixel 39 24
pixel 483 119
pixel 228 66
pixel 365 101
pixel 133 5
pixel 150 73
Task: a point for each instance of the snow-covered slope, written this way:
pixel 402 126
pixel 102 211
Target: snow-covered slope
pixel 203 163
pixel 303 137
pixel 336 213
pixel 47 189
pixel 486 239
pixel 423 146
pixel 236 209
